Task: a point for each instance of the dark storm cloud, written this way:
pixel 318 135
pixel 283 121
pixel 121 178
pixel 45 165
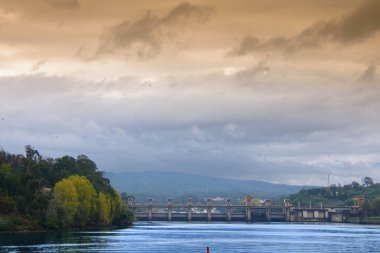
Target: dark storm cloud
pixel 354 27
pixel 64 4
pixel 147 34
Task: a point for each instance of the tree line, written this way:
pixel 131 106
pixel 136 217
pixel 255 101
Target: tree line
pixel 63 193
pixel 342 195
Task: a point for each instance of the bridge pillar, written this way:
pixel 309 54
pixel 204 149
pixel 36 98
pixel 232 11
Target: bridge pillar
pixel 248 214
pixel 170 210
pixel 150 209
pixel 248 203
pixel 267 210
pixel 188 209
pixel 208 210
pixel 130 204
pixel 287 209
pixel 229 213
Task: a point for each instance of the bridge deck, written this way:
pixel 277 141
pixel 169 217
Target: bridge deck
pixel 231 212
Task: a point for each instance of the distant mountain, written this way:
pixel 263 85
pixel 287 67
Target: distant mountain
pixel 161 185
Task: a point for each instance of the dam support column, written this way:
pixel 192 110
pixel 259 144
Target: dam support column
pixel 188 209
pixel 267 210
pixel 130 203
pixel 229 211
pixel 287 210
pixel 170 210
pixel 150 209
pixel 248 203
pixel 248 215
pixel 209 210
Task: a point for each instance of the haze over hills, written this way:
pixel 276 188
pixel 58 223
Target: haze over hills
pixel 161 185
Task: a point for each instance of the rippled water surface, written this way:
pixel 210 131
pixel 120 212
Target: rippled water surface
pixel 177 237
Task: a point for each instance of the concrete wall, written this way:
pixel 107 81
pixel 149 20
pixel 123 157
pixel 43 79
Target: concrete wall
pixel 364 220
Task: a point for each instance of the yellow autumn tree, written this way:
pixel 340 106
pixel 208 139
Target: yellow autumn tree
pixel 65 203
pixel 87 200
pixel 104 209
pixel 75 203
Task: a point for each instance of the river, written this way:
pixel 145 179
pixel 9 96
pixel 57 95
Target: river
pixel 181 237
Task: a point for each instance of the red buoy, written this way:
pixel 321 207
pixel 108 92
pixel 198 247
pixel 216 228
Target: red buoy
pixel 207 249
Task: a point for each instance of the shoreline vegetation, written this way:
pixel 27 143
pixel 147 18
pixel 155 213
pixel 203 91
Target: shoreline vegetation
pixel 45 194
pixel 339 196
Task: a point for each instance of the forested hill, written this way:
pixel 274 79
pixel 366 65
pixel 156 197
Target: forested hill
pixel 39 193
pixel 161 185
pixel 337 195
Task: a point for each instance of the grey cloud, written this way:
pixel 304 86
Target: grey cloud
pixel 274 134
pixel 64 4
pixel 231 164
pixel 234 130
pixel 37 65
pixel 146 35
pixel 354 27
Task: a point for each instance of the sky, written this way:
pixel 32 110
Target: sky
pixel 279 91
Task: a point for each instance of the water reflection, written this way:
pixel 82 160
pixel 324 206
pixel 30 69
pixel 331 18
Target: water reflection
pixel 176 237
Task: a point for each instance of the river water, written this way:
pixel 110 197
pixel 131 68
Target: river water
pixel 181 237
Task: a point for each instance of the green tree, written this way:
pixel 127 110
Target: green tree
pixel 367 181
pixel 376 206
pixel 64 167
pixel 355 185
pixel 81 196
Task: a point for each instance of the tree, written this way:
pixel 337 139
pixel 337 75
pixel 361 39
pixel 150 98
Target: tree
pixel 64 167
pixel 86 198
pixel 366 209
pixel 104 209
pixel 376 205
pixel 81 196
pixel 121 216
pixel 7 205
pixel 367 181
pixel 64 203
pixel 355 185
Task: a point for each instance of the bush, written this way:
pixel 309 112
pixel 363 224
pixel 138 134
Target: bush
pixel 7 205
pixel 123 219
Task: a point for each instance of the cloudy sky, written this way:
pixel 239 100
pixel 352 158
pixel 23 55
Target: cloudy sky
pixel 280 91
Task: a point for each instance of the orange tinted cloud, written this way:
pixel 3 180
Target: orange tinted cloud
pixel 354 27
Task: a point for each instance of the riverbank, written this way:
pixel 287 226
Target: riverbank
pixel 364 220
pixel 13 223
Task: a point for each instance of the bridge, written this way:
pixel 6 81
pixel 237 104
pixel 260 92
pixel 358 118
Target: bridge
pixel 247 212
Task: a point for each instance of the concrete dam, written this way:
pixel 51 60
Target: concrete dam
pixel 247 212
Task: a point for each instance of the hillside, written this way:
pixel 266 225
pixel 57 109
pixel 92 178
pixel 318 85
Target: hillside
pixel 38 193
pixel 161 185
pixel 336 195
